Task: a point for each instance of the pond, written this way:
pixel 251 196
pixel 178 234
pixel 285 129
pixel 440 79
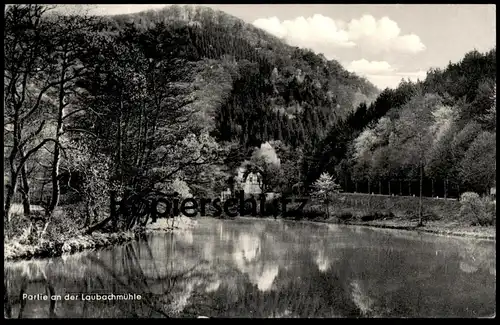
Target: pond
pixel 262 268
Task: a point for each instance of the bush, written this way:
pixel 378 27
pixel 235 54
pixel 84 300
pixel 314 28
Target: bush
pixel 477 210
pixel 491 210
pixel 377 215
pixel 271 208
pixel 65 222
pixel 344 216
pixel 312 214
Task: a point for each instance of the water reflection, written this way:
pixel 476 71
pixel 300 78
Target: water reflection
pixel 249 268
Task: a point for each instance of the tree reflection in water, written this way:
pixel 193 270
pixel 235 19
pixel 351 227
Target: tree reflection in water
pixel 270 269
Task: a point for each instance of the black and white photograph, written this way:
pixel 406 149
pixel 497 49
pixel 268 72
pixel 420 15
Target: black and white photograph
pixel 249 161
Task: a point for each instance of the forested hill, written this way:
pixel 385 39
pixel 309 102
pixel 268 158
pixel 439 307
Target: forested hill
pixel 441 130
pixel 260 88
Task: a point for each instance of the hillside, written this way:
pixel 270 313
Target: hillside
pixel 266 90
pixel 441 130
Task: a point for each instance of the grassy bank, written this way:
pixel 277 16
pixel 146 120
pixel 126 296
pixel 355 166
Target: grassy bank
pixel 448 228
pixel 64 235
pixel 441 216
pixel 399 206
pixel 14 249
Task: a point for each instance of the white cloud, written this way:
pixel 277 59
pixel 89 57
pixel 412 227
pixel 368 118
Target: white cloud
pixel 383 35
pixel 306 32
pixel 381 73
pixel 367 32
pixel 364 66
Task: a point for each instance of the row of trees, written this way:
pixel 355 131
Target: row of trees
pixel 436 137
pixel 438 133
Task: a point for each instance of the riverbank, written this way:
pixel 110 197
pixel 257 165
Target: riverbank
pixel 441 216
pixel 14 249
pixel 446 228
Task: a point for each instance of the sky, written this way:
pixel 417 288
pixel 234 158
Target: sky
pixel 383 43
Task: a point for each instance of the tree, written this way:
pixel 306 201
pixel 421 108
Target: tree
pixel 439 159
pixel 414 137
pixel 70 38
pixel 459 146
pixel 478 167
pixel 147 114
pixel 324 187
pixel 26 55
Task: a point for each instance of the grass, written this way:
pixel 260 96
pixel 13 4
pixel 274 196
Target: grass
pixel 453 225
pixel 14 250
pixel 449 228
pixel 64 234
pixel 443 217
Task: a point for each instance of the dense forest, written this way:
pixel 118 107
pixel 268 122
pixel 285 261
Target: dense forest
pixel 176 99
pixel 438 135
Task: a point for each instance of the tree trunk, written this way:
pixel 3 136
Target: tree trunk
pixel 54 175
pixel 356 186
pixel 369 188
pixel 432 186
pixel 25 191
pixel 420 223
pixel 118 160
pixel 11 188
pixel 112 209
pixel 400 188
pixel 389 186
pixel 379 187
pixel 409 188
pixel 445 188
pixel 12 185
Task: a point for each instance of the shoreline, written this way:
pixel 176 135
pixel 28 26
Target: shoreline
pixel 15 251
pixel 448 229
pixel 441 228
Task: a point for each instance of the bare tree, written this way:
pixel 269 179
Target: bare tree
pixel 25 61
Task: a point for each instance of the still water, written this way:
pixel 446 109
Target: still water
pixel 264 268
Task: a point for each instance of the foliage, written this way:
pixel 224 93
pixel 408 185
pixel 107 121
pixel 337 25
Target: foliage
pixel 477 210
pixel 324 187
pixel 430 124
pixel 478 167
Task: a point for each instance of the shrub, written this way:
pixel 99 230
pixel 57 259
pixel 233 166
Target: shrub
pixel 312 214
pixel 271 208
pixel 344 216
pixel 477 210
pixel 490 210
